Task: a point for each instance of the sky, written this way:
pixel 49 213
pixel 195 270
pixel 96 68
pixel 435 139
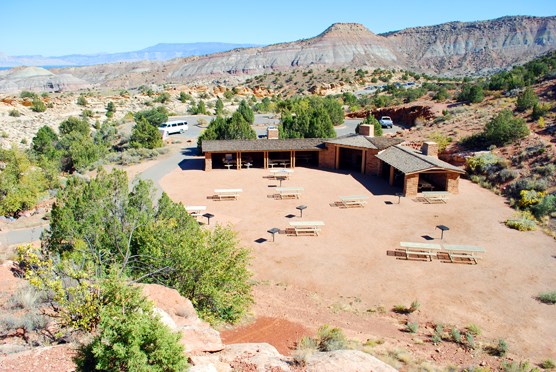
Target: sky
pixel 61 27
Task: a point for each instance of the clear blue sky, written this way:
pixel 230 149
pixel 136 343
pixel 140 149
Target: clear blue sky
pixel 59 27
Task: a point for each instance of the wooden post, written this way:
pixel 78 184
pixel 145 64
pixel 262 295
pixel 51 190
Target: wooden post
pixel 363 161
pixel 391 178
pixel 238 160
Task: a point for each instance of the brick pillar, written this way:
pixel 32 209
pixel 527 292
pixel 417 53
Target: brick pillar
pixel 208 161
pixel 452 183
pixel 367 130
pixel 272 133
pixel 410 184
pixel 430 149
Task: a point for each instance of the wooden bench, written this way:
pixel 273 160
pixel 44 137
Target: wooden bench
pixel 289 192
pixel 428 250
pixel 227 194
pixel 467 252
pixel 436 197
pixel 300 228
pixel 354 201
pixel 196 210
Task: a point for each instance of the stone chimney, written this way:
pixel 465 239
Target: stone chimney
pixel 430 149
pixel 272 133
pixel 367 130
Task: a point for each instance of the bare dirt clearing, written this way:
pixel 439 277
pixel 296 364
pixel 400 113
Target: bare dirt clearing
pixel 346 271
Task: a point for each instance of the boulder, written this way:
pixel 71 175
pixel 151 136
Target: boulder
pixel 178 313
pixel 345 360
pixel 255 357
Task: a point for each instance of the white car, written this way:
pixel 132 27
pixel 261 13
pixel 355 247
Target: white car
pixel 386 122
pixel 172 127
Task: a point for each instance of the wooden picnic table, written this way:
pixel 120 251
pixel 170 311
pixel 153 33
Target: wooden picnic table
pixel 289 192
pixel 195 210
pixel 299 228
pixel 468 252
pixel 435 197
pixel 227 194
pixel 420 249
pixel 354 201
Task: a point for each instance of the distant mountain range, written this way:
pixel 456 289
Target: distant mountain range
pixel 158 52
pixel 449 49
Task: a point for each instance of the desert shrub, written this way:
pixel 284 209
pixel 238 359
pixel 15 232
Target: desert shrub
pixel 548 364
pixel 28 94
pixel 473 329
pixel 436 339
pixel 304 348
pixel 82 101
pixel 526 100
pixel 472 93
pixel 514 189
pixel 155 116
pixel 502 347
pixel 184 97
pixel 523 221
pixel 545 207
pixel 547 297
pixel 14 113
pixel 505 128
pixel 506 175
pixel 529 198
pixel 163 97
pixel 540 110
pixel 330 338
pixel 456 335
pixel 522 366
pixel 130 336
pixel 412 327
pixel 110 109
pixel 470 340
pixel 145 135
pixel 442 140
pixel 38 105
pixel 402 309
pixel 86 114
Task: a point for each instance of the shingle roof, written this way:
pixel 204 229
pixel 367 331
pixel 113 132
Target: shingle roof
pixel 356 140
pixel 315 144
pixel 408 160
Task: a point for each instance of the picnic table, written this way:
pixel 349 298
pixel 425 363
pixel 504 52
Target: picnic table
pixel 195 210
pixel 354 201
pixel 227 194
pixel 283 162
pixel 299 228
pixel 467 252
pixel 436 197
pixel 289 192
pixel 420 249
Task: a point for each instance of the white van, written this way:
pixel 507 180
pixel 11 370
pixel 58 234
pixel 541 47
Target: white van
pixel 171 127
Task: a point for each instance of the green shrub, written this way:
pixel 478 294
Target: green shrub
pixel 14 113
pixel 529 198
pixel 540 110
pixel 412 327
pixel 82 101
pixel 155 116
pixel 184 97
pixel 330 338
pixel 456 335
pixel 502 348
pixel 523 221
pixel 28 94
pixel 402 309
pixel 522 366
pixel 86 114
pixel 473 329
pixel 38 105
pixel 130 336
pixel 163 97
pixel 436 339
pixel 143 134
pixel 547 297
pixel 526 100
pixel 470 340
pixel 548 364
pixel 545 207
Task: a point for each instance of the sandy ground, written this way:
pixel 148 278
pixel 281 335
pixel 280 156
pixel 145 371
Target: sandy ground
pixel 349 268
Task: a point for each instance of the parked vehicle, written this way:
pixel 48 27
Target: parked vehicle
pixel 386 122
pixel 172 127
